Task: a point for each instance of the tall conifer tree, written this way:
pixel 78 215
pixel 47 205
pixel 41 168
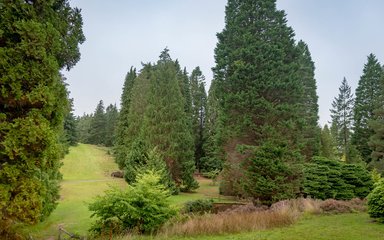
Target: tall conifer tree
pixel 199 104
pixel 376 141
pixel 98 125
pixel 259 92
pixel 120 147
pixel 367 100
pixel 37 39
pixel 111 118
pixel 342 119
pixel 310 110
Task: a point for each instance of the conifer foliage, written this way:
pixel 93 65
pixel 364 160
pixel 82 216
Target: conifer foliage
pixel 157 115
pixel 260 95
pixel 342 119
pixel 37 39
pixel 368 93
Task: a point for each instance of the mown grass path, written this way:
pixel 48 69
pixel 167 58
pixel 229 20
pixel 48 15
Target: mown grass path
pixel 86 173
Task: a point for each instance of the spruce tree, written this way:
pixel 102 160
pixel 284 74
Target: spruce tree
pixel 199 102
pixel 376 141
pixel 120 147
pixel 367 100
pixel 37 39
pixel 97 129
pixel 83 127
pixel 310 112
pixel 259 90
pixel 342 119
pixel 111 118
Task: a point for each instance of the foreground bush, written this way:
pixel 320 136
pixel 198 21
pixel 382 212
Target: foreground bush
pixel 142 208
pixel 376 201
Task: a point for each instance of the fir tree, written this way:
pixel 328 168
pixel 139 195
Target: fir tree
pixel 111 118
pixel 342 119
pixel 259 88
pixel 37 39
pixel 310 106
pixel 83 127
pixel 199 102
pixel 376 141
pixel 367 100
pixel 98 125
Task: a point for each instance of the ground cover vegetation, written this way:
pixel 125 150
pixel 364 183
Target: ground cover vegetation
pixel 256 132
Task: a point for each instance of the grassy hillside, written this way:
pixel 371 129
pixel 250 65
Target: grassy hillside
pixel 86 173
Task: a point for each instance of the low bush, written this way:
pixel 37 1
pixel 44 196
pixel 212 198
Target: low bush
pixel 376 201
pixel 142 208
pixel 199 206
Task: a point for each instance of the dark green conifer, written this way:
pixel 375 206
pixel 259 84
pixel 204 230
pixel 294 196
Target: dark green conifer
pixel 310 112
pixel 367 100
pixel 259 89
pixel 98 125
pixel 111 118
pixel 328 147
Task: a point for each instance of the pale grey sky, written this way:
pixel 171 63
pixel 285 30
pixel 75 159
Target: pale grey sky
pixel 124 33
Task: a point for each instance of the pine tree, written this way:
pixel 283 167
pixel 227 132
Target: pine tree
pixel 97 129
pixel 70 129
pixel 111 118
pixel 199 102
pixel 83 127
pixel 311 132
pixel 259 88
pixel 37 39
pixel 367 100
pixel 120 147
pixel 342 119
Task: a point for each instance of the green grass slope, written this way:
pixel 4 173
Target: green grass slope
pixel 86 173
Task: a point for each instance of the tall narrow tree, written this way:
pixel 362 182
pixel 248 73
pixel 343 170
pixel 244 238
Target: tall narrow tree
pixel 98 125
pixel 111 118
pixel 120 147
pixel 376 141
pixel 199 103
pixel 367 100
pixel 37 39
pixel 310 112
pixel 342 119
pixel 259 93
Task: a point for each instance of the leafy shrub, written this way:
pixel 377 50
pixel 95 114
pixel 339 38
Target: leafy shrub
pixel 199 206
pixel 143 207
pixel 376 201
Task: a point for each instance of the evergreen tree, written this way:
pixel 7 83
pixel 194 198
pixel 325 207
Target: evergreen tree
pixel 327 144
pixel 259 88
pixel 367 100
pixel 83 127
pixel 120 147
pixel 376 141
pixel 158 116
pixel 97 131
pixel 311 132
pixel 70 129
pixel 342 119
pixel 37 39
pixel 111 117
pixel 199 102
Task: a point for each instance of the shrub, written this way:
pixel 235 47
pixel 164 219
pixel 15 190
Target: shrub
pixel 376 201
pixel 199 206
pixel 143 207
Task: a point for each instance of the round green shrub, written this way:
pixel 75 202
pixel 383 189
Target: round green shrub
pixel 199 206
pixel 376 201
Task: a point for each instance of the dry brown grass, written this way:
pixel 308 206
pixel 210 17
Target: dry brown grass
pixel 230 222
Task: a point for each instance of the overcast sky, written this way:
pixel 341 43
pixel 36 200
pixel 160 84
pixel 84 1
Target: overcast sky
pixel 123 33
